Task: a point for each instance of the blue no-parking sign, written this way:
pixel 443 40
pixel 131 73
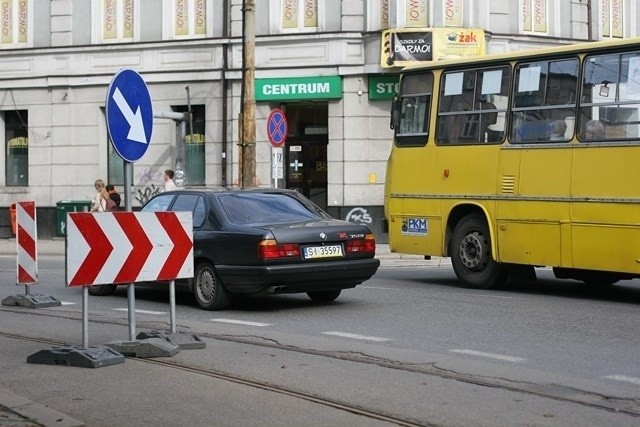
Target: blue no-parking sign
pixel 129 115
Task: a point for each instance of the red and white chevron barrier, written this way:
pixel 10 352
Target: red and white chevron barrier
pixel 26 241
pixel 128 247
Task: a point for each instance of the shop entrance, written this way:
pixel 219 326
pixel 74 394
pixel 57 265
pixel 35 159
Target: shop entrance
pixel 306 150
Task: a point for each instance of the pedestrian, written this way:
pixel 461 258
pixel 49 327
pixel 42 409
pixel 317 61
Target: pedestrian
pixel 113 195
pixel 99 203
pixel 168 181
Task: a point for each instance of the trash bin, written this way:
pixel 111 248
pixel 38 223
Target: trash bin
pixel 12 214
pixel 63 208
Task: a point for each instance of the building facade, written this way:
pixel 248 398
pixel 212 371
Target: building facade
pixel 330 66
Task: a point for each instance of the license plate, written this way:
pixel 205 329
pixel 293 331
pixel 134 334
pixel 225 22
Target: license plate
pixel 323 251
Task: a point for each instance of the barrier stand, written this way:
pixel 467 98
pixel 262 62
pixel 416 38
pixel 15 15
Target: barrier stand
pixel 183 340
pixel 82 356
pixel 146 346
pixel 27 263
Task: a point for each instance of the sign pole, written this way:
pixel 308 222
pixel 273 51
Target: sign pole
pixel 131 292
pixel 172 305
pixel 85 317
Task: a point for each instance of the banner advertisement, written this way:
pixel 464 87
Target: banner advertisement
pixel 405 47
pixel 453 13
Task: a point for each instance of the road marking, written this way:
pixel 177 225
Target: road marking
pixel 378 287
pixel 489 355
pixel 624 378
pixel 240 322
pixel 141 311
pixel 482 295
pixel 67 303
pixel 356 336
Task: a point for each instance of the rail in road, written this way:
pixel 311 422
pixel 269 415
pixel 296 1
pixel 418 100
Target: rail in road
pixel 580 398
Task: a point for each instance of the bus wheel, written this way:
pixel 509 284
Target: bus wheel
pixel 470 250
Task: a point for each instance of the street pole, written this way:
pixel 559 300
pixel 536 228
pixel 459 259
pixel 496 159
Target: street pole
pixel 248 170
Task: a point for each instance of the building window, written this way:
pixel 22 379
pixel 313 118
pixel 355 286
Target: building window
pixel 115 165
pixel 14 20
pixel 194 142
pixel 16 134
pixel 117 20
pixel 188 18
pixel 612 18
pixel 533 15
pixel 299 15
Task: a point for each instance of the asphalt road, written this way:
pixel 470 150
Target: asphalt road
pixel 564 339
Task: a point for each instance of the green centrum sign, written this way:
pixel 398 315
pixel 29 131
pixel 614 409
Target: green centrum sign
pixel 324 87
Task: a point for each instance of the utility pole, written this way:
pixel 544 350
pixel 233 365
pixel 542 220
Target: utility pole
pixel 248 156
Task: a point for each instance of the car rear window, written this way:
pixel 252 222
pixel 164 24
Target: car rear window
pixel 264 209
pixel 158 204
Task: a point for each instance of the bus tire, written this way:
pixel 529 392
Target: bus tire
pixel 471 258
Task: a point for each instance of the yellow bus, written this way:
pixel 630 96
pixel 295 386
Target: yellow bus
pixel 520 160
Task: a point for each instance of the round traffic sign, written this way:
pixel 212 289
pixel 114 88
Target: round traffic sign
pixel 129 115
pixel 277 127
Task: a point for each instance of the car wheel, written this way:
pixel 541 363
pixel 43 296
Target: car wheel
pixel 324 296
pixel 471 258
pixel 208 290
pixel 102 290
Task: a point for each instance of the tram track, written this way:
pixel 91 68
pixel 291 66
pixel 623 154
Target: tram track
pixel 614 404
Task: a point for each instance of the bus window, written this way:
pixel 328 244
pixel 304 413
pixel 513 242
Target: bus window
pixel 473 106
pixel 544 93
pixel 611 96
pixel 413 105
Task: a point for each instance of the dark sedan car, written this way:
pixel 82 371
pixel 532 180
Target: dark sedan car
pixel 269 241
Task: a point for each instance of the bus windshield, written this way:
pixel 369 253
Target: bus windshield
pixel 413 105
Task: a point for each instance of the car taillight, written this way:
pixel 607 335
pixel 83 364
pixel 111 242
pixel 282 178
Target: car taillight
pixel 270 249
pixel 366 245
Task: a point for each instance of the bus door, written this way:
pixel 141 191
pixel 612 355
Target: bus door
pixel 306 167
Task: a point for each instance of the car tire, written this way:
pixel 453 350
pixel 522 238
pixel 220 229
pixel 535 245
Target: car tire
pixel 324 296
pixel 102 290
pixel 471 258
pixel 208 290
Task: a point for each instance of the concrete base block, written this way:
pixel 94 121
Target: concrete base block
pixel 150 347
pixel 183 340
pixel 31 301
pixel 90 357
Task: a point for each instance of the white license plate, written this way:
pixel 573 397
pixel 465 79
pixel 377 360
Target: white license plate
pixel 323 251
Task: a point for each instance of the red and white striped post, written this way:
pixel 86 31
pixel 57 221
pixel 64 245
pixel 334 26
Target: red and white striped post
pixel 27 244
pixel 27 259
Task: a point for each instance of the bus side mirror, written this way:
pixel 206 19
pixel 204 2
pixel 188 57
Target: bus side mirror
pixel 395 114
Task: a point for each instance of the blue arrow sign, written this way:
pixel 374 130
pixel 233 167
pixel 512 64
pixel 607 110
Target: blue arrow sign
pixel 129 115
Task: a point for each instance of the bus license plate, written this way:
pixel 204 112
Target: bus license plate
pixel 323 251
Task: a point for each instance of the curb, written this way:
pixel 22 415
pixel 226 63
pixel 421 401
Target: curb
pixel 31 413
